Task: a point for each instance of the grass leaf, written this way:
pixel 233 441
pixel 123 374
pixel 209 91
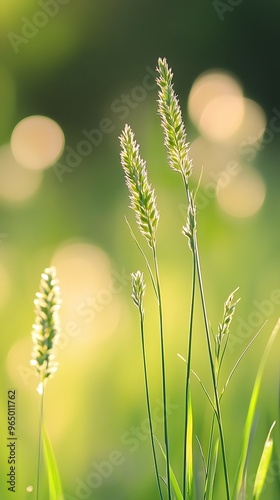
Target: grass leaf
pixel 212 472
pixel 173 479
pixel 240 485
pixel 263 466
pixel 190 479
pixel 55 488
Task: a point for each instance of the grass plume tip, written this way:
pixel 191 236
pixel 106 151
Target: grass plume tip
pixel 175 136
pixel 46 328
pixel 142 196
pixel 138 289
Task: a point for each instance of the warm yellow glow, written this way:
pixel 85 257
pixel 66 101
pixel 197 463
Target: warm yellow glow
pixel 37 142
pixel 210 158
pixel 29 489
pixel 243 195
pixel 216 105
pixel 253 124
pixel 90 292
pixel 16 183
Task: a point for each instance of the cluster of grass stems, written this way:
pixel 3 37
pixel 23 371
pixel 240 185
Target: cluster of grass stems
pixel 143 204
pixel 46 331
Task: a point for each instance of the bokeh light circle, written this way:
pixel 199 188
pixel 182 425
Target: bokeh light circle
pixel 37 142
pixel 216 105
pixel 17 184
pixel 243 195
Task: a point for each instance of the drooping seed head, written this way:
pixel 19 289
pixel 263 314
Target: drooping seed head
pixel 142 196
pixel 46 327
pixel 175 136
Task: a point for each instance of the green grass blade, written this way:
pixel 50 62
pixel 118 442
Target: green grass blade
pixel 263 466
pixel 240 485
pixel 173 479
pixel 212 472
pixel 189 465
pixel 55 488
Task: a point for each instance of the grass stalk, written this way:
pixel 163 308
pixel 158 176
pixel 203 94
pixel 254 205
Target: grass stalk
pixel 163 371
pixel 213 373
pixel 188 372
pixel 145 369
pixel 41 423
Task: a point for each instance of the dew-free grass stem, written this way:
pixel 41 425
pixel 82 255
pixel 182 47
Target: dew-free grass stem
pixel 213 374
pixel 141 312
pixel 41 419
pixel 188 371
pixel 212 365
pixel 164 397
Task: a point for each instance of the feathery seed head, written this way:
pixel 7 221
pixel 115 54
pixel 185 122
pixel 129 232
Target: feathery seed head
pixel 138 289
pixel 229 309
pixel 46 327
pixel 175 136
pixel 142 196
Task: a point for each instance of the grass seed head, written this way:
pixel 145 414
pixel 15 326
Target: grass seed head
pixel 138 289
pixel 46 327
pixel 175 136
pixel 142 196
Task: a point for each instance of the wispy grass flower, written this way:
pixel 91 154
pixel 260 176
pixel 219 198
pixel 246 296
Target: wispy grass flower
pixel 46 327
pixel 143 203
pixel 142 196
pixel 44 335
pixel 175 136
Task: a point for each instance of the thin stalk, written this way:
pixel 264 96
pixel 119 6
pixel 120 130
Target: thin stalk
pixel 212 366
pixel 188 371
pixel 164 398
pixel 214 380
pixel 41 418
pixel 209 457
pixel 148 401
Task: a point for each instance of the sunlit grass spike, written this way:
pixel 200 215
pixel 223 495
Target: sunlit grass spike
pixel 175 136
pixel 46 327
pixel 142 196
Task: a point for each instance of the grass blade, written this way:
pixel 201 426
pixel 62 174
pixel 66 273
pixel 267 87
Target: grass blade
pixel 212 472
pixel 173 479
pixel 55 488
pixel 189 444
pixel 263 466
pixel 241 472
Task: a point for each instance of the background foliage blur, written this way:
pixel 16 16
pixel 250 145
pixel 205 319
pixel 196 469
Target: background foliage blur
pixel 89 67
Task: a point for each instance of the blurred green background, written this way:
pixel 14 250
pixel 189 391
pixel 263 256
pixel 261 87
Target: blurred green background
pixel 89 66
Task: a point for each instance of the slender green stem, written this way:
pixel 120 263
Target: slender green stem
pixel 209 457
pixel 188 371
pixel 164 397
pixel 214 379
pixel 148 401
pixel 41 418
pixel 211 360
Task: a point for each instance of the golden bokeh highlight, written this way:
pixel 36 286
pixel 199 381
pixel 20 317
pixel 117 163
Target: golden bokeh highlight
pixel 91 300
pixel 16 183
pixel 216 105
pixel 243 195
pixel 253 124
pixel 210 158
pixel 37 142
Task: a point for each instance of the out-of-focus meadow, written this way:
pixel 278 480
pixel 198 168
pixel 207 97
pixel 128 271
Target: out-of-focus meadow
pixel 72 73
